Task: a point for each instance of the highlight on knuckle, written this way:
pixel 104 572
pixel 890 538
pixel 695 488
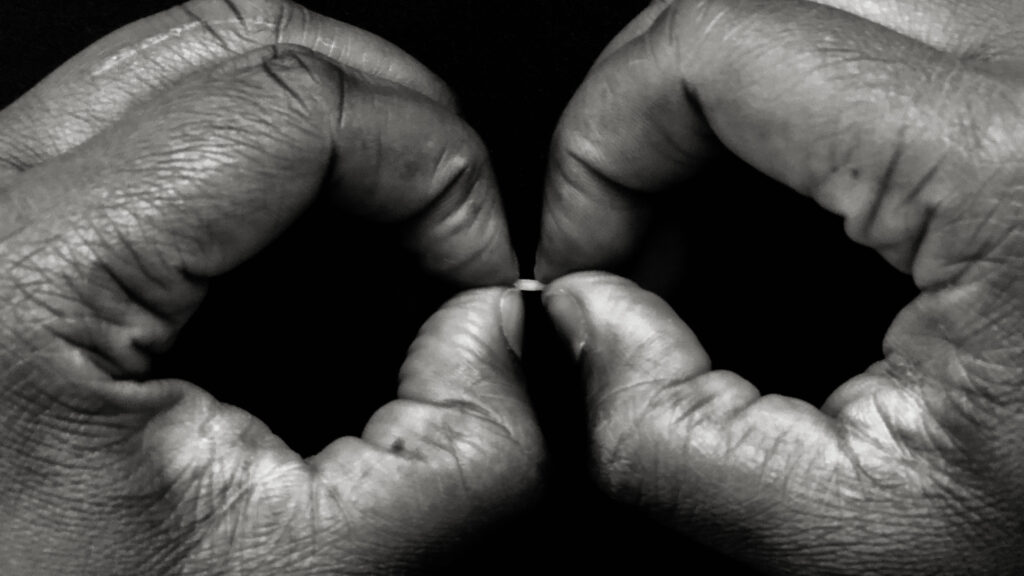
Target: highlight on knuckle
pixel 459 166
pixel 581 155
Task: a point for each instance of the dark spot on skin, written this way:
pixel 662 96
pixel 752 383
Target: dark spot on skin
pixel 398 445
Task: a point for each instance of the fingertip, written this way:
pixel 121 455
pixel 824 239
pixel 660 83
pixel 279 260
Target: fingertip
pixel 469 345
pixel 581 302
pixel 547 264
pixel 462 406
pixel 544 269
pixel 620 332
pixel 590 219
pixel 552 261
pixel 595 293
pixel 568 249
pixel 489 254
pixel 595 289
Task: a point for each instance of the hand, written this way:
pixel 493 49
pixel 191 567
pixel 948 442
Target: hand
pixel 904 118
pixel 165 156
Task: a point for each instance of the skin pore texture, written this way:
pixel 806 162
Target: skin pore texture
pixel 909 128
pixel 163 157
pixel 146 170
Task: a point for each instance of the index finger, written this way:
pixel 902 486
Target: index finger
pixel 97 86
pixel 916 148
pixel 834 106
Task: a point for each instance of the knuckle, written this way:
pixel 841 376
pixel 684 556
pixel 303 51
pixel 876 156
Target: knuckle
pixel 304 77
pixel 463 154
pixel 275 89
pixel 459 166
pixel 579 148
pixel 253 20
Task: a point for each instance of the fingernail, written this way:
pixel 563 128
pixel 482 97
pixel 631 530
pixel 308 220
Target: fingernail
pixel 570 321
pixel 512 320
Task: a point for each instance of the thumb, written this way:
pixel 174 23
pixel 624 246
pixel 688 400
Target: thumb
pixel 708 455
pixel 460 446
pixel 612 325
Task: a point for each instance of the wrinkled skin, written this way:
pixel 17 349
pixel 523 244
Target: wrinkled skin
pixel 163 157
pixel 905 119
pixel 170 152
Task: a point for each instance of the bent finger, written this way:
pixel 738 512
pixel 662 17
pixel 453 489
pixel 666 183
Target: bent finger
pixel 109 247
pixel 912 146
pixel 97 86
pixel 769 479
pixel 460 447
pixel 782 86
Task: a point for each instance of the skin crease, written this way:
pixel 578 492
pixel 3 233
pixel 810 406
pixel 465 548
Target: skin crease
pixel 126 194
pixel 901 117
pixel 911 468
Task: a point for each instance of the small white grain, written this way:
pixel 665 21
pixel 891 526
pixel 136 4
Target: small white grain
pixel 529 285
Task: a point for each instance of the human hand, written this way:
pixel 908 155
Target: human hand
pixel 904 119
pixel 163 157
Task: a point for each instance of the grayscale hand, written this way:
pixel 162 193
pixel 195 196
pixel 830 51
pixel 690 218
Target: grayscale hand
pixel 163 157
pixel 906 119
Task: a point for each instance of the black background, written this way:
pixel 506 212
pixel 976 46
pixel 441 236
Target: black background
pixel 769 282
